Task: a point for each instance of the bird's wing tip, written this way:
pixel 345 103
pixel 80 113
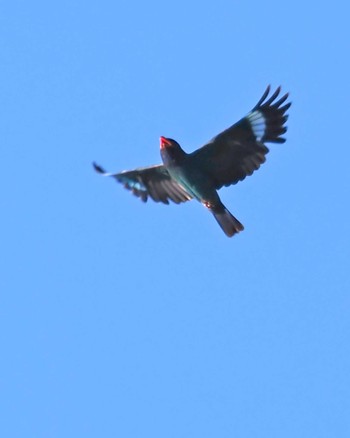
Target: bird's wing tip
pixel 99 169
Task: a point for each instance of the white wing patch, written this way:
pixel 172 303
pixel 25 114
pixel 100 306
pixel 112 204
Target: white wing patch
pixel 257 123
pixel 132 183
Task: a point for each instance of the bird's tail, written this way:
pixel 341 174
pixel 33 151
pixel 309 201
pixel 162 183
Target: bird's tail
pixel 227 221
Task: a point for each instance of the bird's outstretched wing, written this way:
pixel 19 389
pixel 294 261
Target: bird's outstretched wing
pixel 153 181
pixel 240 150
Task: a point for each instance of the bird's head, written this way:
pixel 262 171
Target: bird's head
pixel 167 143
pixel 171 151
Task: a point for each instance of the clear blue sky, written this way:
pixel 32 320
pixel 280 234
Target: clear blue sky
pixel 120 319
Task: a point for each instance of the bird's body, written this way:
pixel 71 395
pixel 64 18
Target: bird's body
pixel 226 159
pixel 183 168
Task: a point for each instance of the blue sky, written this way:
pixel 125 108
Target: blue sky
pixel 120 319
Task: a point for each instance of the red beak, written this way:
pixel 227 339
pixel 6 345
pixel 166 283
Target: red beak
pixel 164 142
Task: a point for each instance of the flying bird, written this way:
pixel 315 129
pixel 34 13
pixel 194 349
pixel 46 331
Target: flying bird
pixel 226 159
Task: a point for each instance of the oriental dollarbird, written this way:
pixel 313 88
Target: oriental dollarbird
pixel 226 159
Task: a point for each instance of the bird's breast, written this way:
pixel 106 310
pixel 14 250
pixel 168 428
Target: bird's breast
pixel 192 180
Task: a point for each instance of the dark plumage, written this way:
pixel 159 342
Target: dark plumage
pixel 226 159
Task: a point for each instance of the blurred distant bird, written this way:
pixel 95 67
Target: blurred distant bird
pixel 226 159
